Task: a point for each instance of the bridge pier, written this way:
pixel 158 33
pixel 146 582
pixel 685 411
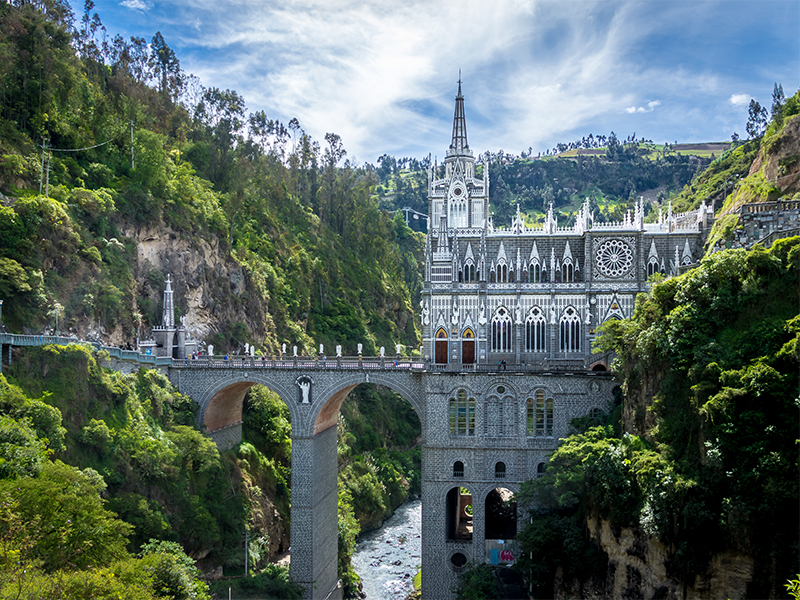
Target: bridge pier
pixel 314 535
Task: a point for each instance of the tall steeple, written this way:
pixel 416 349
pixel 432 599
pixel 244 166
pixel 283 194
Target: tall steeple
pixel 168 315
pixel 459 145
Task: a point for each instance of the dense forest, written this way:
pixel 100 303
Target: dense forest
pixel 106 146
pixel 115 165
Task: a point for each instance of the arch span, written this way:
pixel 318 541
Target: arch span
pixel 221 400
pixel 406 384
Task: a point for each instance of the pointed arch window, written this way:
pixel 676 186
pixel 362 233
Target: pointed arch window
pixel 570 328
pixel 502 272
pixel 501 331
pixel 535 329
pixel 536 272
pixel 469 271
pixel 567 271
pixel 540 415
pixel 462 415
pixel 652 266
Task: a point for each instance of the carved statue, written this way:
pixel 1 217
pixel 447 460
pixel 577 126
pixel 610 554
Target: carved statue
pixel 211 350
pixel 383 351
pixel 338 350
pixel 295 350
pixel 359 349
pixel 252 351
pixel 305 389
pixel 247 348
pixel 552 315
pixel 455 313
pixel 518 313
pixel 283 349
pixel 426 314
pixel 321 349
pixel 482 317
pixel 397 349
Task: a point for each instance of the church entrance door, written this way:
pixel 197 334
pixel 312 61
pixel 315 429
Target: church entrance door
pixel 467 347
pixel 468 352
pixel 441 347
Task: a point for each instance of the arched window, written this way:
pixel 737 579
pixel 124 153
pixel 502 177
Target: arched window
pixel 469 272
pixel 500 470
pixel 462 415
pixel 652 266
pixel 540 415
pixel 596 414
pixel 502 273
pixel 570 331
pixel 536 272
pixel 492 276
pixel 539 470
pixel 458 469
pixel 567 271
pixel 501 331
pixel 535 327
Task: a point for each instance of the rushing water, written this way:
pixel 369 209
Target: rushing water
pixel 388 558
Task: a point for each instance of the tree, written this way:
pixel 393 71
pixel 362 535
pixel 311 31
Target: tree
pixel 756 120
pixel 778 100
pixel 166 67
pixel 76 529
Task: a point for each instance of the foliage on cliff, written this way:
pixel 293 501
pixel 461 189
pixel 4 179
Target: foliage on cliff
pixel 157 150
pixel 710 365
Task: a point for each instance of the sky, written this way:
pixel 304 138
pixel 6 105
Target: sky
pixel 383 75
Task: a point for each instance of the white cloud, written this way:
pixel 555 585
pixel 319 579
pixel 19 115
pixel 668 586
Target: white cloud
pixel 135 4
pixel 642 109
pixel 740 99
pixel 383 75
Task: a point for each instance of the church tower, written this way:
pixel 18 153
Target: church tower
pixel 459 200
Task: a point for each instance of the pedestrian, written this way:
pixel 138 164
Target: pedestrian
pixel 504 364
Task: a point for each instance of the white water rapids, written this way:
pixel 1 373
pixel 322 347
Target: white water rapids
pixel 388 558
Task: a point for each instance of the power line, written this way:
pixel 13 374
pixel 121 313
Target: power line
pixel 75 149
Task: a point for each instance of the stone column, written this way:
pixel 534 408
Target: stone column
pixel 314 533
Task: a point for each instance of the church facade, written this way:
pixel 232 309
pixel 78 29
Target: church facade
pixel 509 314
pixel 533 295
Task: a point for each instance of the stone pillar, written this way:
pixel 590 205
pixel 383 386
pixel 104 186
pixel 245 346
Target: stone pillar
pixel 314 535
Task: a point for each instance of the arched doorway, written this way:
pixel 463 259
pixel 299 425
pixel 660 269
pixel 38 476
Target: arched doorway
pixel 467 347
pixel 458 514
pixel 500 509
pixel 440 352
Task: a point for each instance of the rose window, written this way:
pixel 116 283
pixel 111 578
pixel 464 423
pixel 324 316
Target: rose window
pixel 614 258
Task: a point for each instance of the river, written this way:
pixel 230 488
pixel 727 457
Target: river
pixel 388 558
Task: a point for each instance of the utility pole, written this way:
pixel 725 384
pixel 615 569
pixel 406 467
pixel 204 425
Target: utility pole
pixel 41 174
pixel 246 548
pixel 133 164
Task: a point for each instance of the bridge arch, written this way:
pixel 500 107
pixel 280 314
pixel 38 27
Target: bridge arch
pixel 331 396
pixel 221 400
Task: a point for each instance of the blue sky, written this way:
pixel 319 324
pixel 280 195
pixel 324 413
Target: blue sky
pixel 383 75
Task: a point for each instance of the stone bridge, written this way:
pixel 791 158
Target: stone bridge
pixel 483 432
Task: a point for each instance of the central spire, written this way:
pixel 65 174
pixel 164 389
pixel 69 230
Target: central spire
pixel 459 144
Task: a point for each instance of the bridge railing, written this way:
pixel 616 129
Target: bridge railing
pixel 302 362
pixel 549 365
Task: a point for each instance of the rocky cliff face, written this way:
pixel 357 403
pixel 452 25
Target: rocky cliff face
pixel 639 567
pixel 212 290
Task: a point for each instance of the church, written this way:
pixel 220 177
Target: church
pixel 533 295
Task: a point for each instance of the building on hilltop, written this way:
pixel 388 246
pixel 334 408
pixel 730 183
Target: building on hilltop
pixel 533 295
